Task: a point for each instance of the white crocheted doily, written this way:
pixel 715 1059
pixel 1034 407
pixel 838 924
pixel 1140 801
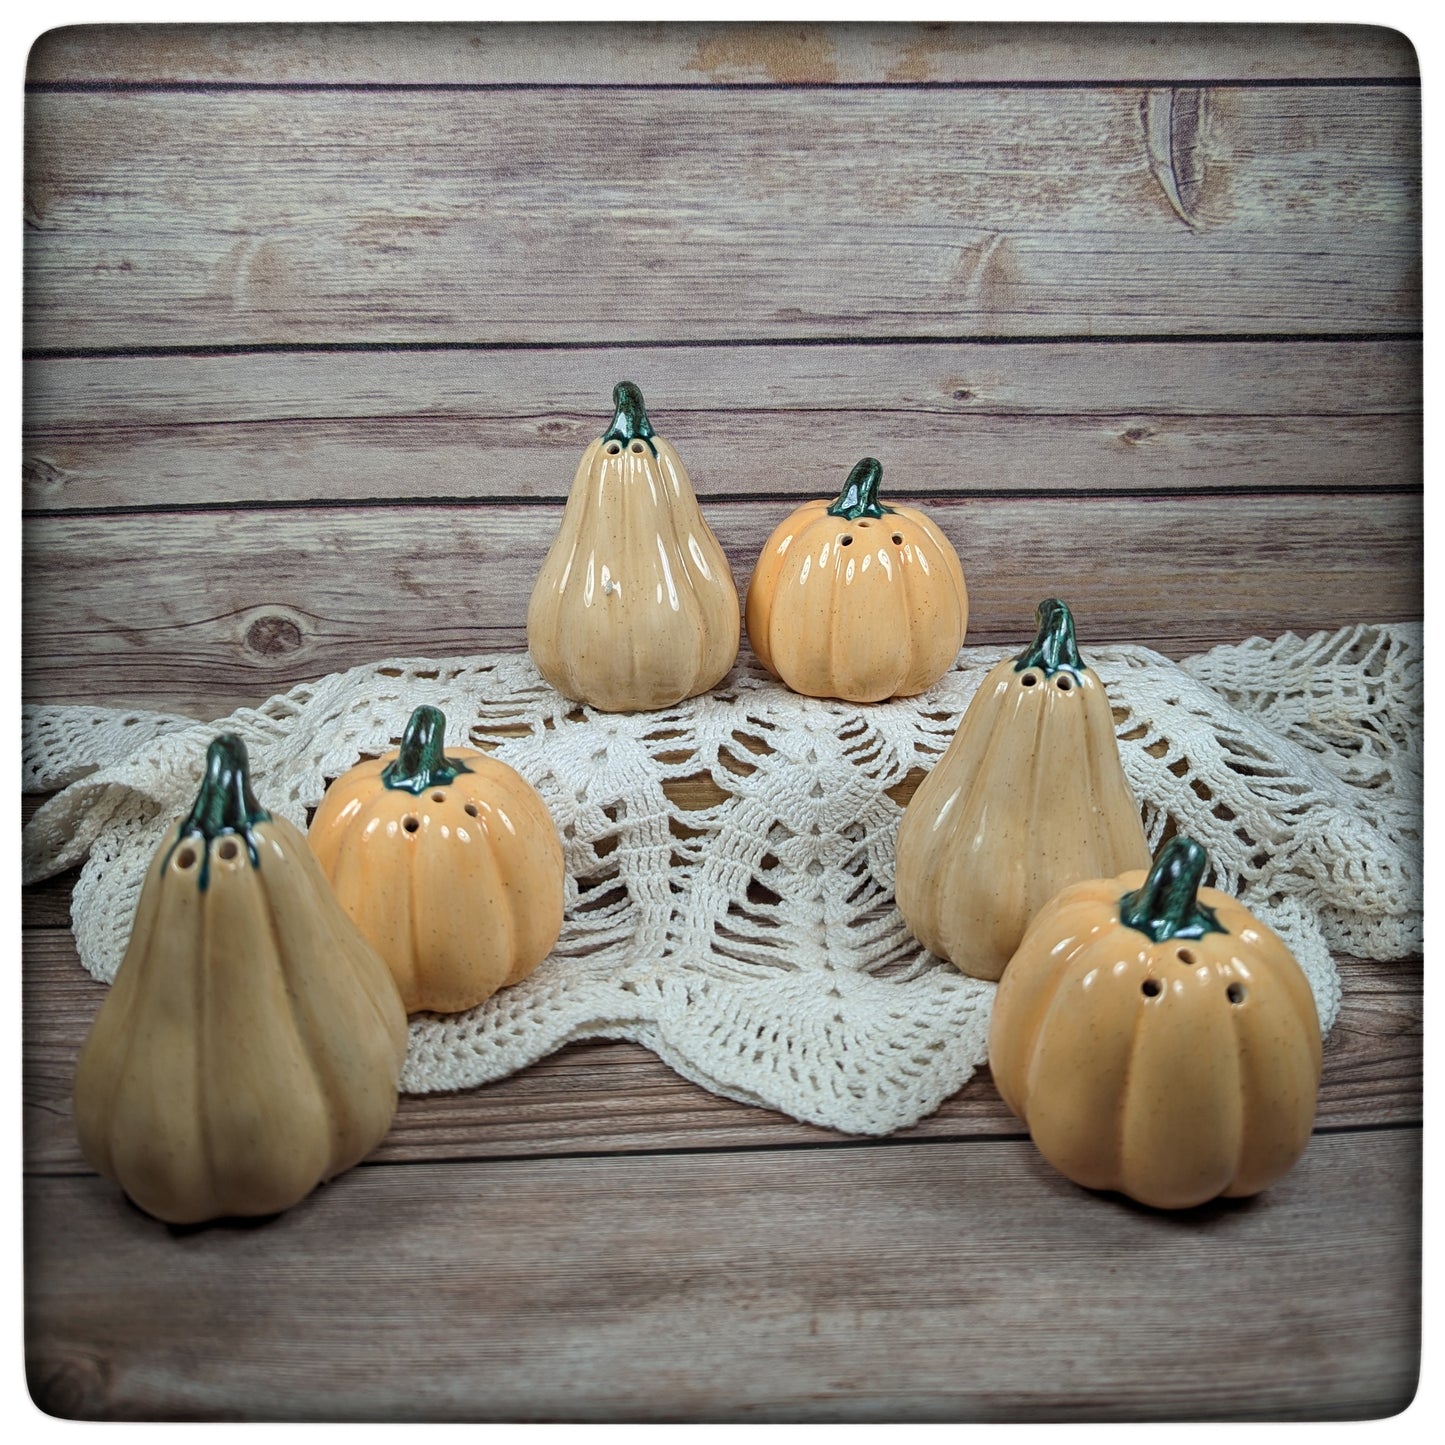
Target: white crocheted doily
pixel 753 943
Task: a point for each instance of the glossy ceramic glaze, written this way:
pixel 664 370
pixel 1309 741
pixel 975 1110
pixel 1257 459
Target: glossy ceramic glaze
pixel 1157 1038
pixel 1029 797
pixel 634 608
pixel 251 1043
pixel 857 600
pixel 448 862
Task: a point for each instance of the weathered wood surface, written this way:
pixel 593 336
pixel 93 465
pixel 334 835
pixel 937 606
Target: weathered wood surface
pixel 943 1281
pixel 160 218
pixel 203 611
pixel 775 454
pixel 713 54
pixel 605 1097
pixel 959 381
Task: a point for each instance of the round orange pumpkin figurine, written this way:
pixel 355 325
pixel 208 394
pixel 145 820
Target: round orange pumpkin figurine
pixel 1157 1038
pixel 448 862
pixel 856 600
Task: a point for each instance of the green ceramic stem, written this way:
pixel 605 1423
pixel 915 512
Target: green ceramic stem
pixel 1055 648
pixel 1167 904
pixel 859 497
pixel 224 804
pixel 421 762
pixel 630 421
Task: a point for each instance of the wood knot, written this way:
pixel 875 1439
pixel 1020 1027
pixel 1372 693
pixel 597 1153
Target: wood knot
pixel 272 635
pixel 556 428
pixel 962 393
pixel 75 1387
pixel 1136 434
pixel 1175 125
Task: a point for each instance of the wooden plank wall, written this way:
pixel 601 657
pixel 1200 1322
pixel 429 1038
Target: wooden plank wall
pixel 320 318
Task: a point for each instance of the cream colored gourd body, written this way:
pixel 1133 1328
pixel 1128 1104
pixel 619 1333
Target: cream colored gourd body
pixel 855 600
pixel 1028 797
pixel 1157 1038
pixel 251 1043
pixel 448 862
pixel 634 608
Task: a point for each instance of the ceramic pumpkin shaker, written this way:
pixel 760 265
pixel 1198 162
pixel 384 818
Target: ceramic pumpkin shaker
pixel 448 862
pixel 1028 797
pixel 857 600
pixel 634 608
pixel 1157 1038
pixel 250 1045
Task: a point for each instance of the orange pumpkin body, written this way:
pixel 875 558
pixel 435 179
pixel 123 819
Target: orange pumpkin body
pixel 1173 1066
pixel 855 600
pixel 457 882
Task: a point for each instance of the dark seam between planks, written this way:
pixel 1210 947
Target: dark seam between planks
pixel 101 87
pixel 887 1141
pixel 300 348
pixel 992 494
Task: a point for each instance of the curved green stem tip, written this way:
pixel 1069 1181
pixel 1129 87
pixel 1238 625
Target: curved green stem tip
pixel 1166 905
pixel 1054 648
pixel 421 762
pixel 630 419
pixel 859 497
pixel 225 802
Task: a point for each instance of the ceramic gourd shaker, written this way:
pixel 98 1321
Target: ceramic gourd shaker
pixel 634 608
pixel 1028 797
pixel 251 1043
pixel 448 862
pixel 1157 1038
pixel 857 600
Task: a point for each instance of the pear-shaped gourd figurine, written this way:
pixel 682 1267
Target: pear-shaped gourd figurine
pixel 1029 797
pixel 1157 1038
pixel 251 1043
pixel 634 608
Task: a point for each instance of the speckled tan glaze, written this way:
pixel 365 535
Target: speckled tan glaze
pixel 251 1043
pixel 1204 1085
pixel 467 901
pixel 1028 798
pixel 863 609
pixel 635 607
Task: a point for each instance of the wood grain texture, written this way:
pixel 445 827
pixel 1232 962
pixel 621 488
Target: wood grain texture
pixel 395 216
pixel 711 54
pixel 778 455
pixel 200 612
pixel 928 1281
pixel 607 1098
pixel 948 380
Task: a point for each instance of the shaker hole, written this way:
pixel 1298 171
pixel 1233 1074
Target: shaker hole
pixel 1235 993
pixel 411 822
pixel 186 858
pixel 613 449
pixel 1029 679
pixel 1063 683
pixel 471 810
pixel 1150 988
pixel 227 849
pixel 439 797
pixel 846 540
pixel 636 448
pixel 898 539
pixel 1187 958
